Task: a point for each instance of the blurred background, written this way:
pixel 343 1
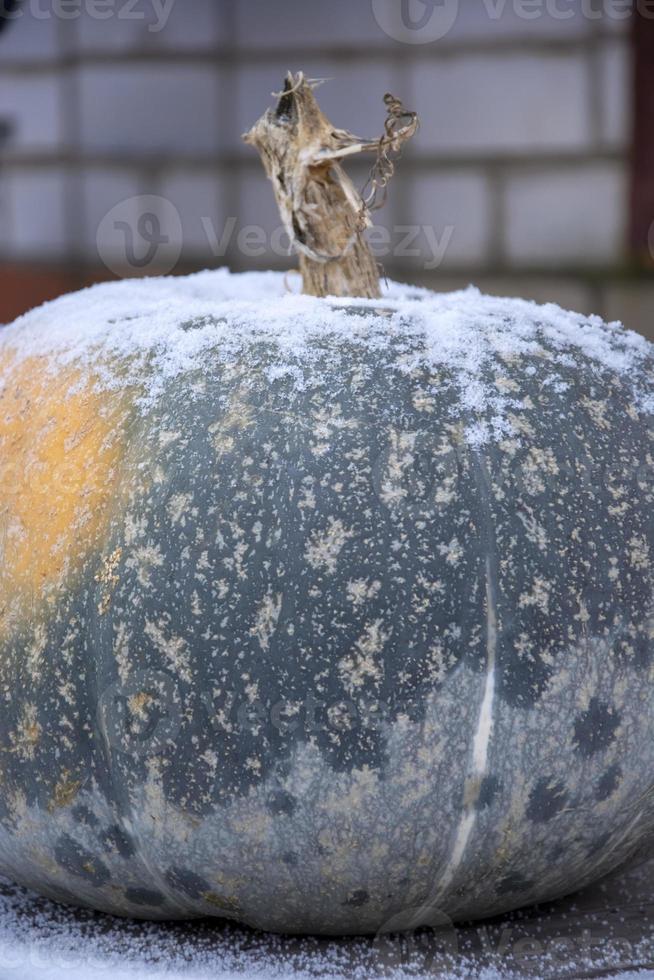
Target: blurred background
pixel 533 173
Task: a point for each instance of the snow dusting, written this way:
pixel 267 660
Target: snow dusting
pixel 146 331
pixel 604 931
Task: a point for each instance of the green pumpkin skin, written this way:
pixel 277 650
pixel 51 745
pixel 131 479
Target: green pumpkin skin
pixel 340 641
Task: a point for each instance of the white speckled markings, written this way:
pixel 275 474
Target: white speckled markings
pixel 371 629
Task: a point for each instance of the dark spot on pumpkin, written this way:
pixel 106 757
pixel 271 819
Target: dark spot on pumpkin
pixel 608 783
pixel 82 814
pixel 115 839
pixel 595 728
pixel 78 861
pixel 513 883
pixel 280 801
pixel 490 787
pixel 547 798
pixel 143 896
pixel 642 650
pixel 187 882
pixel 290 859
pixel 522 688
pixel 357 898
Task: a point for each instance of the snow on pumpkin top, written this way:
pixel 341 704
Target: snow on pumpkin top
pixel 466 332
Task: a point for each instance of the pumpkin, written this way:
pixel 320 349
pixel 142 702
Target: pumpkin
pixel 315 609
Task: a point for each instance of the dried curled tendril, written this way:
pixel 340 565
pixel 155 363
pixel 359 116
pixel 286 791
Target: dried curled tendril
pixel 400 126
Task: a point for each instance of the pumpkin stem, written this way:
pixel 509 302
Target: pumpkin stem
pixel 322 212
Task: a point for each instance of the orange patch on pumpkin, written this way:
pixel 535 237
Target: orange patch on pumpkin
pixel 61 446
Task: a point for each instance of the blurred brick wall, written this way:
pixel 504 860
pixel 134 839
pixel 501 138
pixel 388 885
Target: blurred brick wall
pixel 518 180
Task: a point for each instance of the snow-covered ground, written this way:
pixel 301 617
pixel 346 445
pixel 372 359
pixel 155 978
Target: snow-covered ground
pixel 605 931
